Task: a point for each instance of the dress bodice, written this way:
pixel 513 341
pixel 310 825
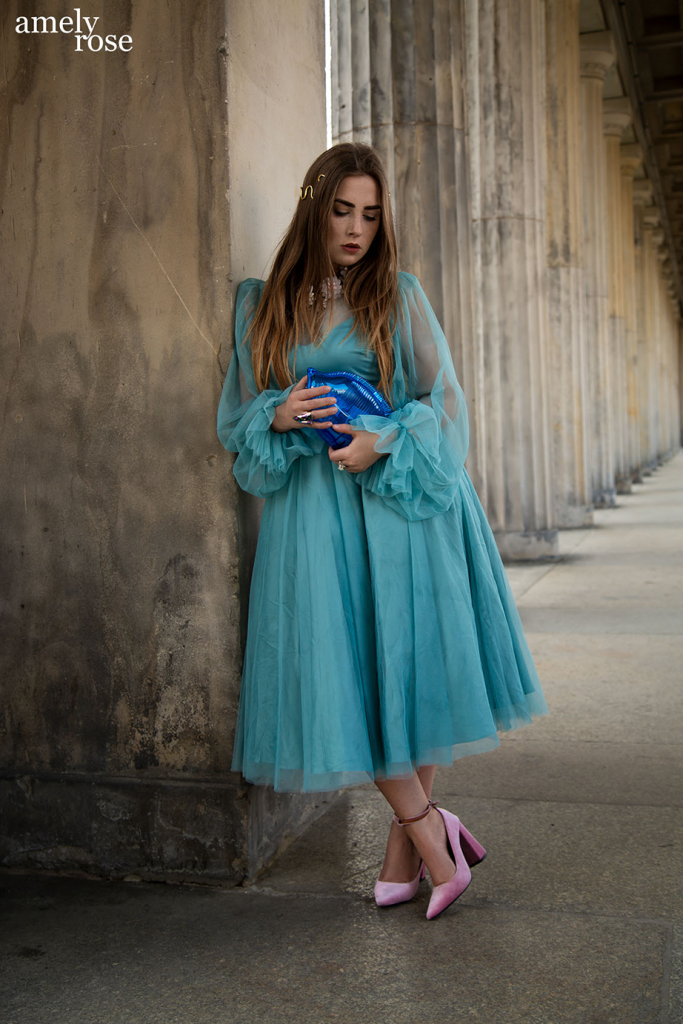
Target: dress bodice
pixel 340 349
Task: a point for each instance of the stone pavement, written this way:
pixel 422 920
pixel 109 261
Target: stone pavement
pixel 575 917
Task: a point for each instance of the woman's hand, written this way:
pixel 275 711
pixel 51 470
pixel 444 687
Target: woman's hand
pixel 301 400
pixel 360 454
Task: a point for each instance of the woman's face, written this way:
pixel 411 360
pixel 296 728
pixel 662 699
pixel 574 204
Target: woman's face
pixel 354 221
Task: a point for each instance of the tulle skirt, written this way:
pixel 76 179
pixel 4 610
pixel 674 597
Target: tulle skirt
pixel 375 644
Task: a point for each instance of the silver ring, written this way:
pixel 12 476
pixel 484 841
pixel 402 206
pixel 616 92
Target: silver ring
pixel 305 417
pixel 341 466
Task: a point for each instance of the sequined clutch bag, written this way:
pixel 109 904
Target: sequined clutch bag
pixel 353 396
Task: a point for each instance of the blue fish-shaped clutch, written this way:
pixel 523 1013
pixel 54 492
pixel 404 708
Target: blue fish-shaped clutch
pixel 353 396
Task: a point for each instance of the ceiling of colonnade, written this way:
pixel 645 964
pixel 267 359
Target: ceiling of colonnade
pixel 649 40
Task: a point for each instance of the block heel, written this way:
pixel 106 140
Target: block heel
pixel 474 852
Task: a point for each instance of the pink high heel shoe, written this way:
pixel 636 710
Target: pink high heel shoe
pixel 389 893
pixel 448 892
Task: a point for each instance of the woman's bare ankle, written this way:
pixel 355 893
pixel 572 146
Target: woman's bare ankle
pixel 401 859
pixel 430 839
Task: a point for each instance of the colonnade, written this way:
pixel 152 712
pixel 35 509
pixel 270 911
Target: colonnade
pixel 530 222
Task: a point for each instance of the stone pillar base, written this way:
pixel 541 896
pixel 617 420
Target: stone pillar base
pixel 624 484
pixel 535 546
pixel 574 517
pixel 215 832
pixel 605 498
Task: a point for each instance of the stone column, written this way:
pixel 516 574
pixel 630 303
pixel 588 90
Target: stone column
pixel 138 189
pixel 673 440
pixel 674 376
pixel 631 158
pixel 505 74
pixel 651 221
pixel 678 426
pixel 661 255
pixel 617 117
pixel 664 344
pixel 658 333
pixel 642 196
pixel 597 57
pixel 672 364
pixel 397 84
pixel 568 382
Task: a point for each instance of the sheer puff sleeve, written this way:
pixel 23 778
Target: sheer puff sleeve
pixel 425 438
pixel 264 457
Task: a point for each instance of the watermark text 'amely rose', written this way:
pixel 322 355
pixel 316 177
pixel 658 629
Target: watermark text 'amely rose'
pixel 83 29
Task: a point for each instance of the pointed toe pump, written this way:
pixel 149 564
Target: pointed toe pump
pixel 388 893
pixel 448 892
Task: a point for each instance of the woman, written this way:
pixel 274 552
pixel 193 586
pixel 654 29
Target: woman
pixel 383 638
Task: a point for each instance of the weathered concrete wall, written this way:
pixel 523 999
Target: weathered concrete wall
pixel 120 656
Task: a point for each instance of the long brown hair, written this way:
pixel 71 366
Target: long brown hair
pixel 286 313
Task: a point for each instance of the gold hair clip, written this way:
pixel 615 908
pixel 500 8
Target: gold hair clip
pixel 308 191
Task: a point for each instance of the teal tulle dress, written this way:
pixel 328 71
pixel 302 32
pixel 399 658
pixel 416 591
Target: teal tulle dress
pixel 382 631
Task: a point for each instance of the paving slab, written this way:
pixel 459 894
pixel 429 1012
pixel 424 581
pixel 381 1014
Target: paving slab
pixel 603 687
pixel 629 544
pixel 663 513
pixel 623 621
pixel 601 771
pixel 102 953
pixel 586 583
pixel 673 978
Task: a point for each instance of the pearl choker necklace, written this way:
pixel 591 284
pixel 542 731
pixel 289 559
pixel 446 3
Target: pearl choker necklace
pixel 337 283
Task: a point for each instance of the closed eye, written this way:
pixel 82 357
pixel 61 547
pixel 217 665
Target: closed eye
pixel 345 213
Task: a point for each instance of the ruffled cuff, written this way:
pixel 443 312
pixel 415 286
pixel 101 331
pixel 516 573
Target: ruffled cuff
pixel 264 456
pixel 420 473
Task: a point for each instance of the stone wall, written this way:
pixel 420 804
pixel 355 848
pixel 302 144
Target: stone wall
pixel 138 188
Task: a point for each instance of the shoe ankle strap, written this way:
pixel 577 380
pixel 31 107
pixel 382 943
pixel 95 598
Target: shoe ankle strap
pixel 418 817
